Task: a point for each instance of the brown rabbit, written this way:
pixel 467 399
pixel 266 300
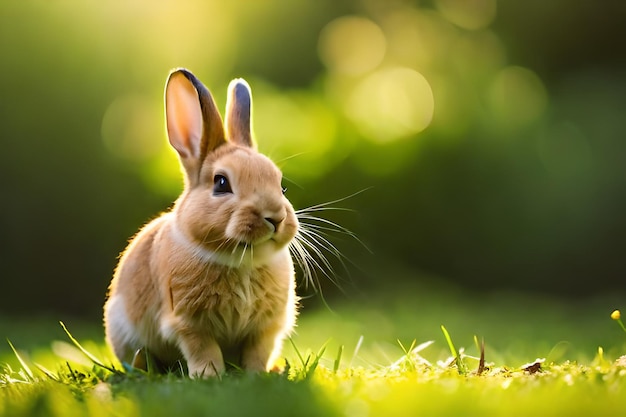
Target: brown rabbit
pixel 212 280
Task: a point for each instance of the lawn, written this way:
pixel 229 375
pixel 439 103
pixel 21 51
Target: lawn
pixel 380 355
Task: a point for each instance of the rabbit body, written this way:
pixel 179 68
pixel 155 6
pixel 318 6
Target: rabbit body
pixel 211 281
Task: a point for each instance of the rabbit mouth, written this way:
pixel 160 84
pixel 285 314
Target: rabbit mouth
pixel 252 237
pixel 236 245
pixel 253 243
pixel 244 252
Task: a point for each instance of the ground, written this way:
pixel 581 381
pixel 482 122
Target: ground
pixel 364 356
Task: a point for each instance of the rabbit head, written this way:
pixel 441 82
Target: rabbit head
pixel 233 206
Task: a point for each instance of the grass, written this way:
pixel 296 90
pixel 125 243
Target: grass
pixel 416 354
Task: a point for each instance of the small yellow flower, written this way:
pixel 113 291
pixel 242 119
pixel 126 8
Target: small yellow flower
pixel 616 315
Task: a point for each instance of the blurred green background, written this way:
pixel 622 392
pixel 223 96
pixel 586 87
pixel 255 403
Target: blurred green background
pixel 488 134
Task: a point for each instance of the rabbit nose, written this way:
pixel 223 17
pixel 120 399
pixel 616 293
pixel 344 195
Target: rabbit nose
pixel 274 221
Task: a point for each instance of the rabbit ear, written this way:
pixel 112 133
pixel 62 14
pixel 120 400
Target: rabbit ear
pixel 238 113
pixel 194 125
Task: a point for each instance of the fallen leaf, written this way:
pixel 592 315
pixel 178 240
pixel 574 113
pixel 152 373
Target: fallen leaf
pixel 533 367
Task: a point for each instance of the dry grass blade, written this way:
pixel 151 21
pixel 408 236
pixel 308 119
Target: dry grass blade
pixel 481 362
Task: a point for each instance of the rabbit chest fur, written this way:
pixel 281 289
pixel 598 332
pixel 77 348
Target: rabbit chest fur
pixel 229 304
pixel 232 301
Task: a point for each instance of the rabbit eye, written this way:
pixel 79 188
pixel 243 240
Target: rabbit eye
pixel 221 185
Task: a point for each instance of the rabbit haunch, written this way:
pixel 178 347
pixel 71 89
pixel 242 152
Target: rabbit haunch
pixel 212 280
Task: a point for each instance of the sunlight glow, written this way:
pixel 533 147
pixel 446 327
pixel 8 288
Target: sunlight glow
pixel 391 104
pixel 158 36
pixel 418 38
pixel 131 129
pixel 295 129
pixel 352 45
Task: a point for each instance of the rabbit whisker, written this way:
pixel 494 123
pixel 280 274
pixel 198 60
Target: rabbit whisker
pixel 306 263
pixel 315 250
pixel 330 226
pixel 223 244
pixel 243 252
pixel 312 247
pixel 328 203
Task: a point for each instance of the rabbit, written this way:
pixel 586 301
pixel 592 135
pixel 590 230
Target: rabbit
pixel 210 282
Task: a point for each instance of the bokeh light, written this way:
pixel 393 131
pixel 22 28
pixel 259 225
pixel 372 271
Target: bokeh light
pixel 517 98
pixel 418 38
pixel 352 45
pixel 391 103
pixel 477 57
pixel 486 129
pixel 296 130
pixel 132 128
pixel 468 14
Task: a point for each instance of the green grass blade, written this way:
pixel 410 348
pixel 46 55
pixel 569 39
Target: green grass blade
pixel 47 372
pixel 449 341
pixel 310 363
pixel 295 348
pixel 404 350
pixel 407 359
pixel 337 361
pixel 460 365
pixel 316 361
pixel 23 363
pixel 322 350
pixel 88 354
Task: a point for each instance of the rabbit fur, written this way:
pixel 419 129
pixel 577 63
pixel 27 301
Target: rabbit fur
pixel 211 281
